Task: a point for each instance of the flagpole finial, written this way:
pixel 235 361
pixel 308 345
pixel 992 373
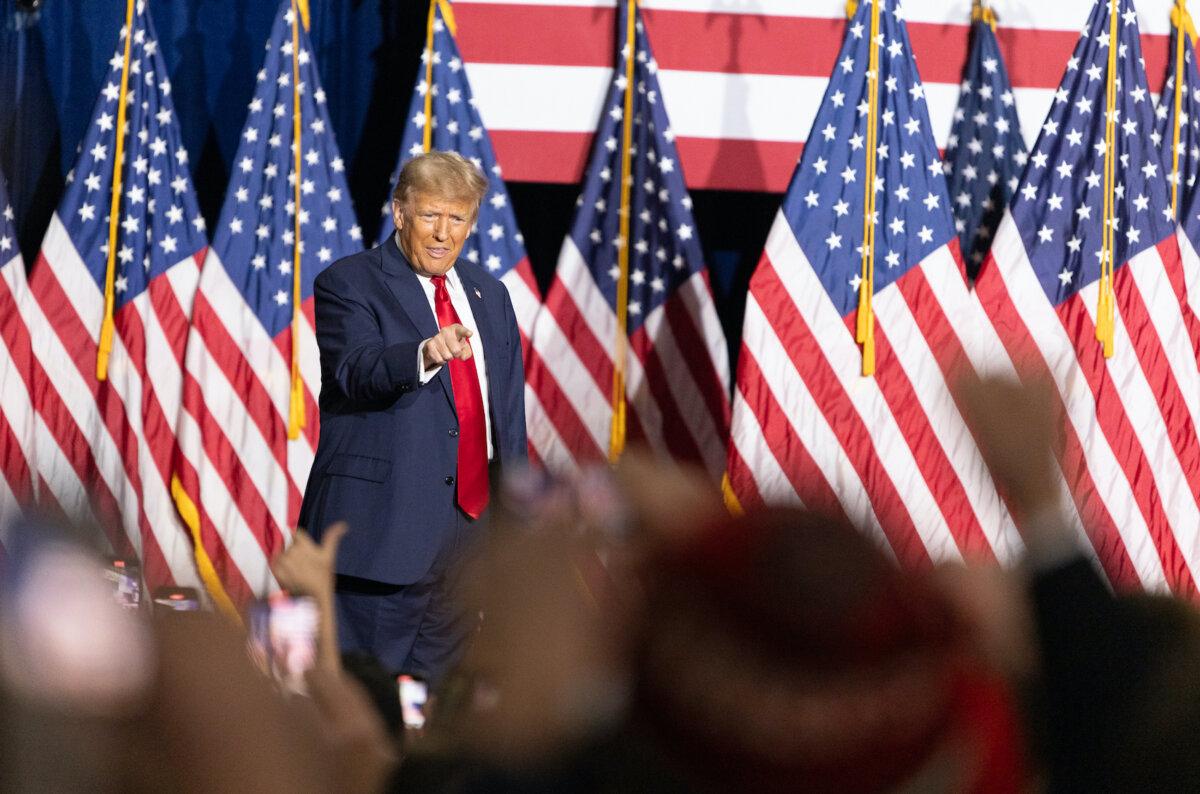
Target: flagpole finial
pixel 983 13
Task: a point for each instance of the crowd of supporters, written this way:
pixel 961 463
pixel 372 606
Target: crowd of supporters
pixel 636 637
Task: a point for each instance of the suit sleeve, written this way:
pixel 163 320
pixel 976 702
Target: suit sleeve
pixel 515 386
pixel 353 353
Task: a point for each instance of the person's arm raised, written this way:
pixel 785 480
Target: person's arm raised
pixel 1018 427
pixel 353 352
pixel 307 568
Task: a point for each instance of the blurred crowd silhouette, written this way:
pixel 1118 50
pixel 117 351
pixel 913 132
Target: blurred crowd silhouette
pixel 635 637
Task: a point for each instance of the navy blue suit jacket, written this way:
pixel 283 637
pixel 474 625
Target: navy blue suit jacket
pixel 388 450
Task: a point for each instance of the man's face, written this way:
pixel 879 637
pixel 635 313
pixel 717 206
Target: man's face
pixel 432 231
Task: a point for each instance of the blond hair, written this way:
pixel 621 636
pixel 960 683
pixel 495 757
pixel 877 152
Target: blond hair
pixel 447 175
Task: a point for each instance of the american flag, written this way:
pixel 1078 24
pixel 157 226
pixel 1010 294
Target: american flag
pixel 455 125
pixel 985 152
pixel 106 444
pixel 238 468
pixel 1131 453
pixel 1184 190
pixel 742 78
pixel 16 410
pixel 677 372
pixel 890 451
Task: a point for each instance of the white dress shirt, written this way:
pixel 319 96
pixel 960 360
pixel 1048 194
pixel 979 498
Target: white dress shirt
pixel 462 306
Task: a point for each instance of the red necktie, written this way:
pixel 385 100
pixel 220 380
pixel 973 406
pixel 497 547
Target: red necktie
pixel 468 402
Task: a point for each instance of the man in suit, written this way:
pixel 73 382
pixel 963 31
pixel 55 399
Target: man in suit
pixel 422 400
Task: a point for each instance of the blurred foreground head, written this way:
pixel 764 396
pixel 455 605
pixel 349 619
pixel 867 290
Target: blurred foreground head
pixel 782 650
pixel 96 697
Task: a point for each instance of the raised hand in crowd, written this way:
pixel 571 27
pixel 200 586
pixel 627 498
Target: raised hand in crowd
pixel 307 568
pixel 1018 427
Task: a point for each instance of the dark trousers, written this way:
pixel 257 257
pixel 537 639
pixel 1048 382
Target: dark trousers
pixel 422 628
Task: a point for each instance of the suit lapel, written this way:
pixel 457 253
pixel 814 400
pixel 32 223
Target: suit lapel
pixel 410 296
pixel 406 288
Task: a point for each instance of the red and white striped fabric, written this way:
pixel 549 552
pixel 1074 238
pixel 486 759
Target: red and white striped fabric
pixel 107 444
pixel 1131 453
pixel 16 409
pixel 888 450
pixel 741 79
pixel 676 374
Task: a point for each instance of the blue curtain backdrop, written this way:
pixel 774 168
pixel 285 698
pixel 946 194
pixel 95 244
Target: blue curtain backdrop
pixel 54 62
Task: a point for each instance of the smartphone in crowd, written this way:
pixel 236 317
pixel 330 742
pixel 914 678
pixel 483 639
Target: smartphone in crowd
pixel 125 576
pixel 177 599
pixel 283 638
pixel 414 693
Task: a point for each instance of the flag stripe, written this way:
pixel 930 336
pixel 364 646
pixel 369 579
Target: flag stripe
pixel 1179 345
pixel 779 462
pixel 1154 407
pixel 522 290
pixel 752 54
pixel 666 388
pixel 256 366
pixel 846 469
pixel 694 321
pixel 929 311
pixel 690 366
pixel 244 460
pixel 236 392
pixel 69 331
pixel 545 443
pixel 755 473
pixel 901 403
pixel 1091 464
pixel 917 395
pixel 1191 271
pixel 232 532
pixel 567 391
pixel 1146 301
pixel 589 326
pixel 1126 416
pixel 82 427
pixel 892 447
pixel 881 458
pixel 16 418
pixel 734 42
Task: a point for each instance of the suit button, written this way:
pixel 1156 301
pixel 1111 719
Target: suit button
pixel 453 432
pixel 449 481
